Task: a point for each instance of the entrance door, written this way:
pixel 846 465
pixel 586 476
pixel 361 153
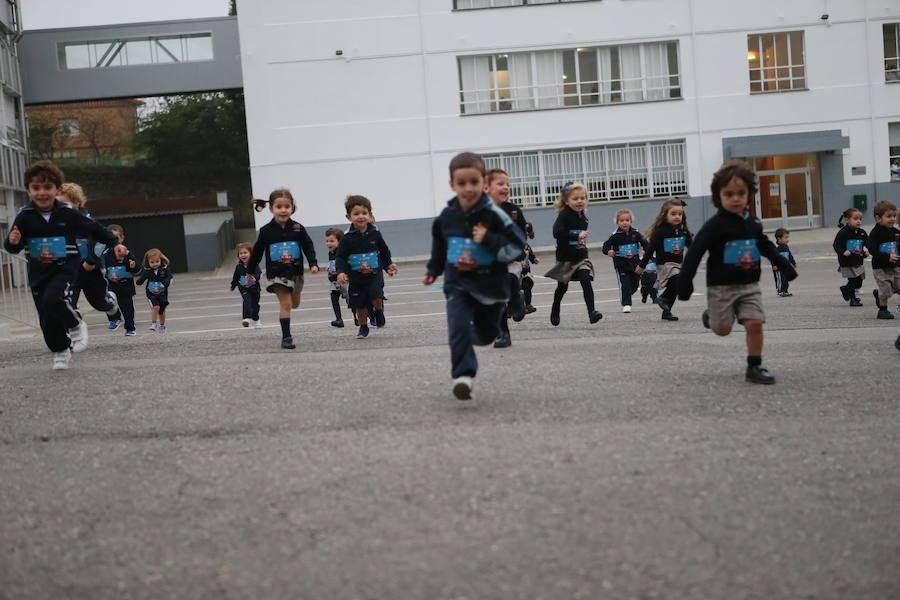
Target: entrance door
pixel 785 196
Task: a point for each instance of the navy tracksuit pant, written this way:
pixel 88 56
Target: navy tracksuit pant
pixel 94 285
pixel 629 283
pixel 469 323
pixel 56 311
pixel 126 305
pixel 250 297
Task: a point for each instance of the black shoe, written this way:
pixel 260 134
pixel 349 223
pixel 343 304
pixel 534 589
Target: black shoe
pixel 379 318
pixel 643 298
pixel 705 319
pixel 846 293
pixel 502 341
pixel 288 343
pixel 785 294
pixel 554 317
pixel 663 305
pixel 594 316
pixel 337 323
pixel 668 316
pixel 854 301
pixel 759 374
pixel 363 332
pixel 875 293
pixel 884 313
pixel 517 307
pixel 530 309
pixel 355 320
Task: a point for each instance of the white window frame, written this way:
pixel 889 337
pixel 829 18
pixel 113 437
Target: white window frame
pixel 892 63
pixel 790 66
pixel 463 5
pixel 894 150
pixel 116 52
pixel 613 172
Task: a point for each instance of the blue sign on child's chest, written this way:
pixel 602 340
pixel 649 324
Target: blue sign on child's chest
pixel 627 251
pixel 742 253
pixel 581 243
pixel 786 255
pixel 155 286
pixel 674 245
pixel 245 281
pixel 47 249
pixel 466 254
pixel 365 263
pixel 888 248
pixel 332 267
pixel 855 246
pixel 83 248
pixel 285 252
pixel 651 267
pixel 117 273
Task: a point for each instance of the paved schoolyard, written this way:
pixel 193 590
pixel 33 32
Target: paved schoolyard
pixel 622 460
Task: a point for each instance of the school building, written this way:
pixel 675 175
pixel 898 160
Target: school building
pixel 639 99
pixel 13 132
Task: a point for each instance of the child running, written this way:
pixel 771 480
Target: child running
pixel 669 237
pixel 648 283
pixel 359 258
pixel 332 241
pixel 571 232
pixel 624 247
pixel 782 239
pixel 159 278
pixel 850 246
pixel 47 229
pixel 472 242
pixel 121 267
pixel 735 241
pixel 527 276
pixel 883 243
pixel 247 283
pixel 281 240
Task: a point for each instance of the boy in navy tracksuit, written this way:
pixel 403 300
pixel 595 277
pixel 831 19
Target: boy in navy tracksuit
pixel 121 267
pixel 360 256
pixel 624 247
pixel 473 241
pixel 884 246
pixel 333 237
pixel 782 238
pixel 48 229
pixel 247 282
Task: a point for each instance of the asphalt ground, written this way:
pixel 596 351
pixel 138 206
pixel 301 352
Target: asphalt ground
pixel 627 459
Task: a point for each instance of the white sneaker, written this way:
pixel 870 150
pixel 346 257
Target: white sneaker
pixel 112 298
pixel 79 337
pixel 152 326
pixel 462 387
pixel 246 322
pixel 257 324
pixel 61 360
pixel 626 308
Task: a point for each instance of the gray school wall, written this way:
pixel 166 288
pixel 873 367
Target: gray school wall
pixel 208 237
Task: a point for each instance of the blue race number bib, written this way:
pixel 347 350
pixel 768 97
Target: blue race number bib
pixel 365 263
pixel 651 267
pixel 83 248
pixel 155 286
pixel 47 249
pixel 466 255
pixel 786 255
pixel 627 251
pixel 332 267
pixel 888 248
pixel 742 253
pixel 246 282
pixel 855 246
pixel 674 245
pixel 284 252
pixel 579 243
pixel 117 273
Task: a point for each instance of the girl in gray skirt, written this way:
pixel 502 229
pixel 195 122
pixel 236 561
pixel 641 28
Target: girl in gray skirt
pixel 572 264
pixel 850 246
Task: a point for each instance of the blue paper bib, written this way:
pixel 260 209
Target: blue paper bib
pixel 888 247
pixel 672 244
pixel 786 255
pixel 332 267
pixel 855 246
pixel 47 249
pixel 155 286
pixel 627 251
pixel 651 267
pixel 284 252
pixel 117 273
pixel 742 253
pixel 245 281
pixel 83 248
pixel 365 263
pixel 466 255
pixel 580 243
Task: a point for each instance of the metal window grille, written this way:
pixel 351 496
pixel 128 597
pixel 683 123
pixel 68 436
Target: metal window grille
pixel 614 172
pixel 15 296
pixel 776 62
pixel 569 78
pixel 891 33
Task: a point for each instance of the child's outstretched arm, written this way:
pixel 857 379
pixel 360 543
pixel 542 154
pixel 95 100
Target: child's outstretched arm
pixel 309 249
pixel 235 279
pixel 608 247
pixel 438 260
pixel 256 255
pixel 650 248
pixel 691 263
pixel 145 273
pixel 508 241
pixel 384 257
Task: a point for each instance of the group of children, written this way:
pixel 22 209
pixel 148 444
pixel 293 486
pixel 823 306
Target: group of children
pixel 479 245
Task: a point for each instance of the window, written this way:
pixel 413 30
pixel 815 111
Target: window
pixel 469 4
pixel 776 62
pixel 894 150
pixel 69 128
pixel 138 51
pixel 613 172
pixel 891 33
pixel 568 78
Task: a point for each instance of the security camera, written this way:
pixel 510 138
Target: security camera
pixel 824 17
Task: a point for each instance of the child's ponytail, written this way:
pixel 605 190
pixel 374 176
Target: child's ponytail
pixel 259 205
pixel 846 215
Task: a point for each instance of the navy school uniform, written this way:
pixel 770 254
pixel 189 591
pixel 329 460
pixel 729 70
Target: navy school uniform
pixel 363 255
pixel 781 282
pixel 249 289
pixel 627 245
pixel 668 244
pixel 281 245
pixel 53 263
pixel 158 282
pixel 474 275
pixel 120 279
pixel 92 283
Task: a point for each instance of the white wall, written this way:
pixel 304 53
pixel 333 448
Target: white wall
pixel 383 120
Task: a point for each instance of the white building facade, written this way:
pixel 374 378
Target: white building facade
pixel 13 132
pixel 640 99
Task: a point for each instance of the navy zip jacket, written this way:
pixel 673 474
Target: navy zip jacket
pixel 478 269
pixel 566 228
pixel 667 236
pixel 735 243
pixel 877 237
pixel 857 238
pixel 241 270
pixel 785 249
pixel 285 243
pixel 631 239
pixel 362 255
pixel 161 275
pixel 90 249
pixel 332 265
pixel 119 276
pixel 52 245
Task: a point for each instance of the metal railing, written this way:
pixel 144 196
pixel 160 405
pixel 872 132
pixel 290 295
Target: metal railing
pixel 15 295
